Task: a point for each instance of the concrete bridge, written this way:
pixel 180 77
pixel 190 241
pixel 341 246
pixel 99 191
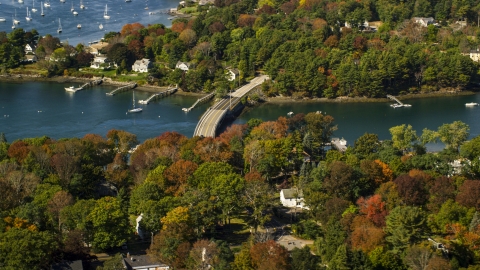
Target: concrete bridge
pixel 210 120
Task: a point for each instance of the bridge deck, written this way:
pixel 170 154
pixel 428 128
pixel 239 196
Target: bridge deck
pixel 209 122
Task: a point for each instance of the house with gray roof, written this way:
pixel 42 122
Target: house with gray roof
pixel 142 65
pixel 292 197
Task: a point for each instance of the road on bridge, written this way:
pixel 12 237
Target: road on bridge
pixel 207 126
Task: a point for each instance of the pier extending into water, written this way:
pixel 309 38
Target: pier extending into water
pixel 399 103
pixel 122 89
pixel 92 83
pixel 165 93
pixel 200 100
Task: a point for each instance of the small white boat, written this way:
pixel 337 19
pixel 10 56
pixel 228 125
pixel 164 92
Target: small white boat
pixel 100 26
pixel 62 1
pixel 20 1
pixel 73 89
pixel 395 105
pixel 79 26
pixel 28 18
pixel 75 13
pixel 72 9
pixel 2 19
pixel 134 110
pixel 146 7
pixel 13 25
pixel 46 4
pixel 33 7
pixel 59 30
pixel 105 14
pixel 81 4
pixel 290 113
pixel 471 104
pixel 128 1
pixel 15 21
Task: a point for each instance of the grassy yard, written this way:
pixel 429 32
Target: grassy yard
pixel 32 69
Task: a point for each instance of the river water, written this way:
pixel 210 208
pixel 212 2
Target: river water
pixel 35 109
pixel 90 18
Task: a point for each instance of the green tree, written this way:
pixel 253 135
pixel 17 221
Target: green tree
pixel 403 137
pixel 303 259
pixel 405 226
pixel 26 249
pixel 454 134
pixel 110 223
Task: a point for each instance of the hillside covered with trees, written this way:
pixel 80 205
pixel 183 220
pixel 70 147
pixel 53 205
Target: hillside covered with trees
pixel 302 45
pixel 378 205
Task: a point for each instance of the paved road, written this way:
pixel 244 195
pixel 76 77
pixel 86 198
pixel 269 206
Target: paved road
pixel 207 126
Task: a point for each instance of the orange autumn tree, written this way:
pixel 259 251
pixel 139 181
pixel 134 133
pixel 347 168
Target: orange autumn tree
pixel 365 235
pixel 18 223
pixel 213 150
pixel 177 176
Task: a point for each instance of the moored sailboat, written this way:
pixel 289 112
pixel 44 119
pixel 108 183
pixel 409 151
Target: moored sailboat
pixel 134 110
pixel 105 14
pixel 59 30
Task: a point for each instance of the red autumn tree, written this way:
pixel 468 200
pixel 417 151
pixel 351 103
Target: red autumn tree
pixel 411 190
pixel 212 150
pixel 469 194
pixel 18 150
pixel 374 209
pixel 233 131
pixel 269 255
pixel 246 20
pixel 177 176
pixel 216 27
pixel 178 27
pixel 331 41
pixel 287 7
pixel 441 190
pixel 253 175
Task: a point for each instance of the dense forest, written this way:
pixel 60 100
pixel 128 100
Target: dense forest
pixel 378 205
pixel 303 45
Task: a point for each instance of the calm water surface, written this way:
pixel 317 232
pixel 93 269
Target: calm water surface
pixel 35 109
pixel 90 18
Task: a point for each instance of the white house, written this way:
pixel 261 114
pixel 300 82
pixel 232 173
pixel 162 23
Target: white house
pixel 232 74
pixel 292 197
pixel 475 55
pixel 141 65
pixel 424 21
pixel 98 61
pixel 30 48
pixel 183 65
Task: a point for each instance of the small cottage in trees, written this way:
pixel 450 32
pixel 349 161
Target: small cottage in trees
pixel 185 66
pixel 292 197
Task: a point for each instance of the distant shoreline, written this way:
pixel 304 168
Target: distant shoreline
pixel 274 100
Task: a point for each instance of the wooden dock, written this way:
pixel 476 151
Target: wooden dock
pixel 165 93
pixel 122 89
pixel 200 100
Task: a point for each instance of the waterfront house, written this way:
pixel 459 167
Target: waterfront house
pixel 30 48
pixel 185 66
pixel 339 144
pixel 142 65
pixel 292 197
pixel 100 62
pixel 142 262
